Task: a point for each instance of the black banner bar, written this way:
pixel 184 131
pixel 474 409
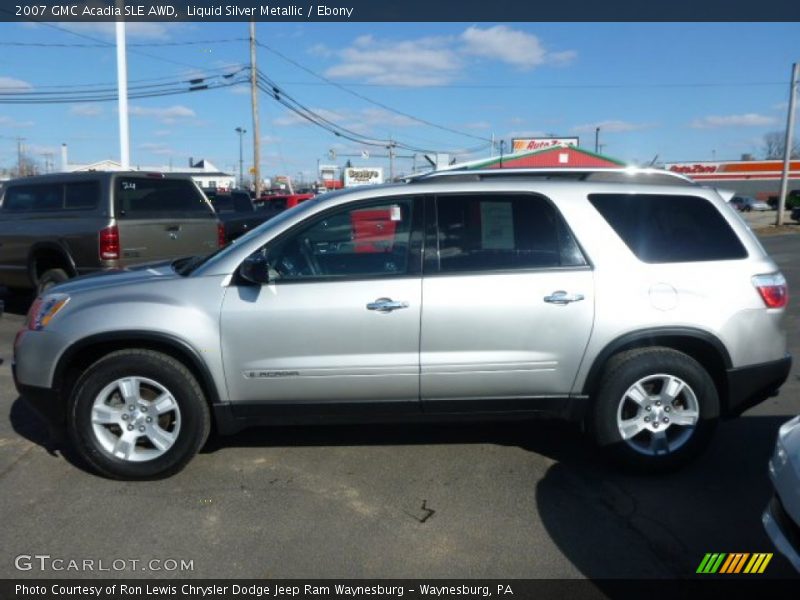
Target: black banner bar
pixel 407 10
pixel 730 588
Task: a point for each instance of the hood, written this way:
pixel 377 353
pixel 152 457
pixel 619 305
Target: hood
pixel 116 277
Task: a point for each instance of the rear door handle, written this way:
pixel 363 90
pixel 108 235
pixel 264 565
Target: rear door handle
pixel 562 297
pixel 174 228
pixel 386 305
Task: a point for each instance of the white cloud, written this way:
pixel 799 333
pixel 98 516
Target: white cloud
pixel 11 84
pixel 363 121
pixel 320 50
pixel 745 120
pixel 133 30
pixel 154 148
pixel 511 46
pixel 436 60
pixel 162 132
pixel 13 123
pixel 240 90
pixel 478 125
pixel 611 126
pixel 168 114
pixel 420 62
pixel 86 110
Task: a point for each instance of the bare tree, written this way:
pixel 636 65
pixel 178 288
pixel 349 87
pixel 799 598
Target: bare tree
pixel 774 145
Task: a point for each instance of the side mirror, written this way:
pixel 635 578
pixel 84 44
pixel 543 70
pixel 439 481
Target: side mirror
pixel 255 269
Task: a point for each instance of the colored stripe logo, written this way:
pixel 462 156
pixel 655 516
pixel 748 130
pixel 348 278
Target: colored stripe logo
pixel 733 563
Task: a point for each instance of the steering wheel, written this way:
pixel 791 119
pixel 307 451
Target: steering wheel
pixel 308 253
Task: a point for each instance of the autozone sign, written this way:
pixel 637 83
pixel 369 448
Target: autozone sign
pixel 695 169
pixel 528 144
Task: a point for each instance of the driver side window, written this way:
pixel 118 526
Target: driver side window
pixel 363 241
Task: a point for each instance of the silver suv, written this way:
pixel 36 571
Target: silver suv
pixel 635 302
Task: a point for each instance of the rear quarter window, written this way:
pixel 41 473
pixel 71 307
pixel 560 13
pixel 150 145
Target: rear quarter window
pixel 140 197
pixel 34 198
pixel 663 228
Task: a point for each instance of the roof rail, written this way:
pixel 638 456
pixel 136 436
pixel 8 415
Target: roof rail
pixel 599 174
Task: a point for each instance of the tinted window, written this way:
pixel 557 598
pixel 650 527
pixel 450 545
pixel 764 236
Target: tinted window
pixel 663 228
pixel 145 197
pixel 84 194
pixel 242 202
pixel 26 198
pixel 497 232
pixel 354 242
pixel 222 203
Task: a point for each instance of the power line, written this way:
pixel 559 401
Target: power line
pixel 370 100
pixel 102 44
pixel 207 73
pixel 109 95
pixel 546 86
pixel 270 88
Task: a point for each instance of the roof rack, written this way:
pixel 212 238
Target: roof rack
pixel 600 174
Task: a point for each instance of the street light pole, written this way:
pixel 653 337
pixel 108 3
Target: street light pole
pixel 241 131
pixel 787 150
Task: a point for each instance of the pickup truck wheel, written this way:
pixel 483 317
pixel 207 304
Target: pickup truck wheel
pixel 655 409
pixel 50 278
pixel 138 414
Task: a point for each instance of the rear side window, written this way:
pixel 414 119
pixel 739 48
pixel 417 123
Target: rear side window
pixel 81 195
pixel 33 198
pixel 666 228
pixel 486 232
pixel 222 204
pixel 159 198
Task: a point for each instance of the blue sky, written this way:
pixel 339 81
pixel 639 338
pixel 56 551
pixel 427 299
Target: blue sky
pixel 687 91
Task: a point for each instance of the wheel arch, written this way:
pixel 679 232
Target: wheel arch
pixel 82 354
pixel 54 255
pixel 701 345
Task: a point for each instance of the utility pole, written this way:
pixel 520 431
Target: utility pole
pixel 122 94
pixel 597 140
pixel 502 149
pixel 787 149
pixel 391 160
pixel 254 102
pixel 19 156
pixel 241 131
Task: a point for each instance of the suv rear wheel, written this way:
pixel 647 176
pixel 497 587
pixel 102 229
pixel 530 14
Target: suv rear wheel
pixel 138 414
pixel 655 409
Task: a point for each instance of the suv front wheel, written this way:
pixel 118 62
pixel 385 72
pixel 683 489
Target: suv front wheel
pixel 138 414
pixel 655 409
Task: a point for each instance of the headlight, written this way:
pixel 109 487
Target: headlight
pixel 44 309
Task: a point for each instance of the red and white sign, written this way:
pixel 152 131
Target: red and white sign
pixel 695 169
pixel 528 144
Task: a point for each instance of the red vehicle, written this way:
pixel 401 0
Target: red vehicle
pixel 276 203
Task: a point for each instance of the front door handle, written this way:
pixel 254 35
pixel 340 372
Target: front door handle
pixel 386 305
pixel 562 297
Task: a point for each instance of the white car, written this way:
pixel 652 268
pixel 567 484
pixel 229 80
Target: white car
pixel 782 517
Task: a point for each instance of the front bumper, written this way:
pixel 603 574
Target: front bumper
pixel 783 532
pixel 751 385
pixel 45 402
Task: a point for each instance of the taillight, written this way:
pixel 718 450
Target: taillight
pixel 221 235
pixel 109 243
pixel 773 289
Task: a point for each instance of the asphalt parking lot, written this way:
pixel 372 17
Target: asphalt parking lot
pixel 527 500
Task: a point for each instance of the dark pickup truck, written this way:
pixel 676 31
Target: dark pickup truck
pixel 237 213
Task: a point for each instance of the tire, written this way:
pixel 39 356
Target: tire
pixel 151 435
pixel 50 278
pixel 645 392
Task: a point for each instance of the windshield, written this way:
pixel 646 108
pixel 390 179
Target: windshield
pixel 186 266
